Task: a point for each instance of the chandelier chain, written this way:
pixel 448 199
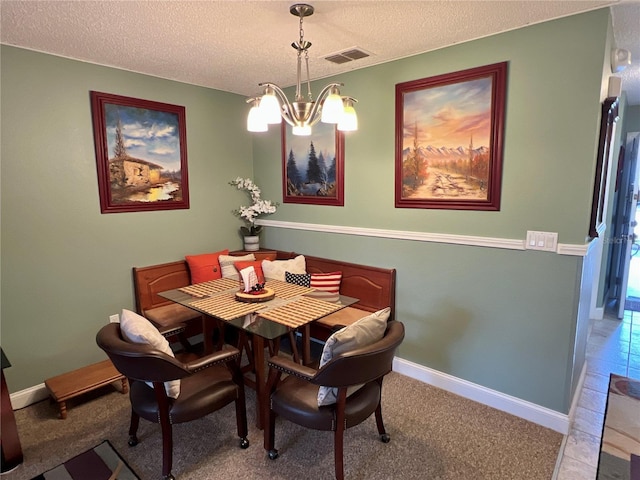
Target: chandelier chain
pixel 304 48
pixel 301 32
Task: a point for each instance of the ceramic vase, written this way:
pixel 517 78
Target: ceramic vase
pixel 251 243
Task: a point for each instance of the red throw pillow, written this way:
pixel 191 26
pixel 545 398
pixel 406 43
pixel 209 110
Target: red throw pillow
pixel 257 266
pixel 326 282
pixel 205 267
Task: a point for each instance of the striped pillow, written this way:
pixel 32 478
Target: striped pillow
pixel 326 282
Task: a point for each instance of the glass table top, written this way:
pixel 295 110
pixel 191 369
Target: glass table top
pixel 271 319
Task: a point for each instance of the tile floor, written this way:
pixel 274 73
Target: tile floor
pixel 613 347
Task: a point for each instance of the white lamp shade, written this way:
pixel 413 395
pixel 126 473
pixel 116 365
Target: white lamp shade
pixel 349 120
pixel 270 108
pixel 255 120
pixel 301 130
pixel 332 108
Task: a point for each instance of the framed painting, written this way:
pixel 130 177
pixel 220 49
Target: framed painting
pixel 605 151
pixel 449 135
pixel 141 154
pixel 313 166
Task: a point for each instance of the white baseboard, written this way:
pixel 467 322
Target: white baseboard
pixel 28 396
pixel 546 417
pixel 598 313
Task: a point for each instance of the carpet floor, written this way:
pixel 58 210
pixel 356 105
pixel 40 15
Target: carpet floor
pixel 435 435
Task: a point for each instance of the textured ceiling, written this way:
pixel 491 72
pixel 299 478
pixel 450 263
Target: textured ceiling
pixel 234 45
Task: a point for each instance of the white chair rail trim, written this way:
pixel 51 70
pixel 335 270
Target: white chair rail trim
pixel 505 243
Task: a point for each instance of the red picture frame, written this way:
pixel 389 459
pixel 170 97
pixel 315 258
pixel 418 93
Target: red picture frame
pixel 141 154
pixel 313 166
pixel 449 140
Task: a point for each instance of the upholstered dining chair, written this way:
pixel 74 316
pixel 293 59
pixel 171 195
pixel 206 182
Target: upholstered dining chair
pixel 200 385
pixel 296 397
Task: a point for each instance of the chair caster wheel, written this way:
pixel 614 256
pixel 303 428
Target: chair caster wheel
pixel 385 438
pixel 169 477
pixel 273 454
pixel 244 443
pixel 133 441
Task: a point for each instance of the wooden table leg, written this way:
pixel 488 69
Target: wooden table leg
pixel 9 441
pixel 63 410
pixel 306 344
pixel 208 326
pixel 258 365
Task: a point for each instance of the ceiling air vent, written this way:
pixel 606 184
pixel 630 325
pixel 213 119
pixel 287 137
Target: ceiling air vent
pixel 347 55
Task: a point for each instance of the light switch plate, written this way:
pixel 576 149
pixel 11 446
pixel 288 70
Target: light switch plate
pixel 545 241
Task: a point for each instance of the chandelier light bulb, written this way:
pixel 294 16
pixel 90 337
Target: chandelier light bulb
pixel 255 119
pixel 269 107
pixel 348 120
pixel 301 130
pixel 332 108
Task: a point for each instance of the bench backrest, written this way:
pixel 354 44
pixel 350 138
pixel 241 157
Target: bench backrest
pixel 151 280
pixel 374 286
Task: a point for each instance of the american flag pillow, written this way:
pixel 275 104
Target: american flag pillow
pixel 326 282
pixel 302 279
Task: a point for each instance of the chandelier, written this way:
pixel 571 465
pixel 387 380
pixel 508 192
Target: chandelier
pixel 301 114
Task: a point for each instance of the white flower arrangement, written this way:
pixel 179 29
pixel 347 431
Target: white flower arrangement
pixel 258 207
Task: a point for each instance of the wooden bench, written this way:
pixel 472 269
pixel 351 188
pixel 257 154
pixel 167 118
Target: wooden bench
pixel 83 380
pixel 149 281
pixel 374 287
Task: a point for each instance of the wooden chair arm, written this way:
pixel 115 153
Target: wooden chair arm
pixel 288 366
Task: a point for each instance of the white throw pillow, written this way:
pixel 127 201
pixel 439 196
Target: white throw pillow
pixel 227 264
pixel 137 329
pixel 359 334
pixel 275 269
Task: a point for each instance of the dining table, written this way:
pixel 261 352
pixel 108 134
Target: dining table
pixel 287 311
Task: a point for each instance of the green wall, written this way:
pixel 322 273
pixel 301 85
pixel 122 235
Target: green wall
pixel 633 119
pixel 552 119
pixel 503 319
pixel 65 266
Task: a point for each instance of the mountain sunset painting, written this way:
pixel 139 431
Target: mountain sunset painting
pixel 447 155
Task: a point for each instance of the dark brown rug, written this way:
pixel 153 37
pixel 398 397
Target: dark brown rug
pixel 102 462
pixel 620 445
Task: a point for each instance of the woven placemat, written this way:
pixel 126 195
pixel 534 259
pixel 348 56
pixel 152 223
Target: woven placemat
pixel 287 290
pixel 224 305
pixel 299 312
pixel 206 289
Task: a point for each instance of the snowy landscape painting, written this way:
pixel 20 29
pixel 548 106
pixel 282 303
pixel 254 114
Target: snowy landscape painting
pixel 449 132
pixel 141 154
pixel 312 166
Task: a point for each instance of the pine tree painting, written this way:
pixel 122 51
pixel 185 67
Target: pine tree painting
pixel 313 167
